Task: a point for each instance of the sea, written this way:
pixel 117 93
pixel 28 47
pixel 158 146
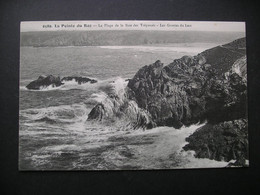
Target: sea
pixel 54 133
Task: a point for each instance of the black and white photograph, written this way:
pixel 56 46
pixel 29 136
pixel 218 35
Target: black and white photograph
pixel 132 95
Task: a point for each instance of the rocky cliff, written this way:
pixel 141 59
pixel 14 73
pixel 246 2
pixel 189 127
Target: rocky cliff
pixel 210 86
pixel 188 91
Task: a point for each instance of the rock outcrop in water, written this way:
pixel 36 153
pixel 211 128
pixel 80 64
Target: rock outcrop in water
pixel 117 108
pixel 226 141
pixel 208 87
pixel 53 81
pixel 79 80
pixel 44 81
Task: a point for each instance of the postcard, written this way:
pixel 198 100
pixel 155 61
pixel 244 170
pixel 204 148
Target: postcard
pixel 132 95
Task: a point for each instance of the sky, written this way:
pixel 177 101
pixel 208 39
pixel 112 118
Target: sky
pixel 132 25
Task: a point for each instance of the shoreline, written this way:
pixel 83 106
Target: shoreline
pixel 165 149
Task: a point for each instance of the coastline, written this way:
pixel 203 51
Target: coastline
pixel 163 102
pixel 159 148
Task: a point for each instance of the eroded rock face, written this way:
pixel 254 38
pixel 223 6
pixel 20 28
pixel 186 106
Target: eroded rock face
pixel 159 90
pixel 190 90
pixel 97 113
pixel 44 81
pixel 223 57
pixel 185 92
pixel 114 110
pixel 223 141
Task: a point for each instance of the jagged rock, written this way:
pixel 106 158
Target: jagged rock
pixel 223 57
pixel 44 81
pixel 97 113
pixel 114 109
pixel 79 80
pixel 189 90
pixel 223 141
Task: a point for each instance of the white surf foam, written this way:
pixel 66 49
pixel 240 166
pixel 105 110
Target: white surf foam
pixel 171 48
pixel 63 113
pixel 115 86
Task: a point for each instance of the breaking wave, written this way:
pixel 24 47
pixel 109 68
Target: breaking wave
pixel 57 114
pixel 110 88
pixel 77 113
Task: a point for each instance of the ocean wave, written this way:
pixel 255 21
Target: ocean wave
pixel 107 88
pixel 56 114
pixel 119 86
pixel 74 117
pixel 46 119
pixel 43 88
pixel 73 84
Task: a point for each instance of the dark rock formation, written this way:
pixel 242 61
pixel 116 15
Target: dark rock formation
pixel 50 80
pixel 237 44
pixel 44 81
pixel 222 57
pixel 223 141
pixel 190 90
pixel 97 113
pixel 79 80
pixel 126 112
pixel 208 87
pixel 169 92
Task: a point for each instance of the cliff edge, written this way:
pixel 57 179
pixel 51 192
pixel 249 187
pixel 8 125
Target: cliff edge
pixel 210 86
